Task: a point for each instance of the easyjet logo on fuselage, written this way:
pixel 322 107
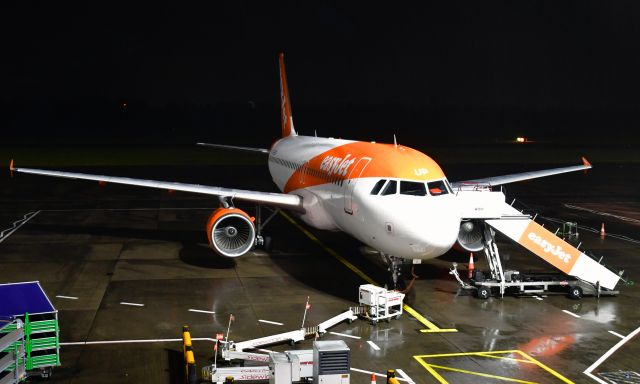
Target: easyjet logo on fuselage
pixel 334 165
pixel 547 247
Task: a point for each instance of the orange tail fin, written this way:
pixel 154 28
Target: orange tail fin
pixel 285 104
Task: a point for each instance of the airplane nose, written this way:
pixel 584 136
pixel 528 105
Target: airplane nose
pixel 434 229
pixel 443 230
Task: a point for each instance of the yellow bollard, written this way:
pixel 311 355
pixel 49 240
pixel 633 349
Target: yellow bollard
pixel 191 376
pixel 391 376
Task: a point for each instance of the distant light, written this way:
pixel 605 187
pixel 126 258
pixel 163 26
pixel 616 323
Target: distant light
pixel 521 139
pixel 124 105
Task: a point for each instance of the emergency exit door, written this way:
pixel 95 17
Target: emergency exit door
pixel 351 181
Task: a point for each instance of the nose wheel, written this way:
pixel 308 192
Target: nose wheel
pixel 396 272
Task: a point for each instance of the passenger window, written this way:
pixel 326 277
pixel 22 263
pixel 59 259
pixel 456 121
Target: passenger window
pixel 390 189
pixel 377 187
pixel 412 188
pixel 437 188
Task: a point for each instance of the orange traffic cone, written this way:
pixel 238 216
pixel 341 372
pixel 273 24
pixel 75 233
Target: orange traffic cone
pixel 472 267
pixel 602 232
pixel 373 378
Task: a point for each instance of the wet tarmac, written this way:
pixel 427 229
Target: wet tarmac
pixel 112 245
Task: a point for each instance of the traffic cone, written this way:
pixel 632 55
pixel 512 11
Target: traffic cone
pixel 602 232
pixel 373 378
pixel 472 267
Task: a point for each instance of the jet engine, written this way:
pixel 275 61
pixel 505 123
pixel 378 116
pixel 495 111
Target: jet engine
pixel 231 232
pixel 470 236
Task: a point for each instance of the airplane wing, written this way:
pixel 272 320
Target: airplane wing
pixel 515 177
pixel 281 200
pixel 235 148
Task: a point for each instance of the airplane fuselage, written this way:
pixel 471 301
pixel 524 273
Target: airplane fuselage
pixel 392 198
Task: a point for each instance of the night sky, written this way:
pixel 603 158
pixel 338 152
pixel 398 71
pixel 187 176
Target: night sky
pixel 358 70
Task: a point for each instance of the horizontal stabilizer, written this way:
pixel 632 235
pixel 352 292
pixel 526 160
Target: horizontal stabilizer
pixel 235 148
pixel 553 249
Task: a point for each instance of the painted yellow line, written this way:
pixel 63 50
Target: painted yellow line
pixel 432 371
pixel 481 374
pixel 469 353
pixel 432 328
pixel 492 354
pixel 330 251
pixel 504 358
pixel 551 371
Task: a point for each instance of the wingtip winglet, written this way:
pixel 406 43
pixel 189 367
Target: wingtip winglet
pixel 586 162
pixel 11 165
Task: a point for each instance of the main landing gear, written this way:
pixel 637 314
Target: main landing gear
pixel 264 241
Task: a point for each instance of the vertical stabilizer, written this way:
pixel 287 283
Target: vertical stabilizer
pixel 285 104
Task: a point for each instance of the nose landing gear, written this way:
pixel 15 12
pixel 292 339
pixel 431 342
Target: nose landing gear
pixel 397 269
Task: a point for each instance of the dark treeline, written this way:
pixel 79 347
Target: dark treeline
pixel 94 121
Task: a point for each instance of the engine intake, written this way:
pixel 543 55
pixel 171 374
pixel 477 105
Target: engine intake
pixel 231 232
pixel 470 236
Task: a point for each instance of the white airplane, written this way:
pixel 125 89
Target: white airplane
pixel 392 198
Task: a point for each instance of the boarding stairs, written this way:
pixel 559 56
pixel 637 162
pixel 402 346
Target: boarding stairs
pixel 490 206
pixel 12 352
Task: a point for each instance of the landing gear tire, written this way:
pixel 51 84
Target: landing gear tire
pixel 395 268
pixel 484 293
pixel 575 293
pixel 268 246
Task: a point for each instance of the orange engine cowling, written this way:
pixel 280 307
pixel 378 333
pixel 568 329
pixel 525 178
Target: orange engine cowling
pixel 231 232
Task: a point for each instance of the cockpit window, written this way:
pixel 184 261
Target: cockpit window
pixel 378 187
pixel 413 188
pixel 390 189
pixel 437 188
pixel 449 188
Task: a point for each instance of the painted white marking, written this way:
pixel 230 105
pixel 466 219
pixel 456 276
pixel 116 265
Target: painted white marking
pixel 201 311
pixel 67 297
pixel 135 341
pixel 596 378
pixel 600 213
pixel 270 322
pixel 121 341
pixel 539 298
pixel 4 235
pixel 373 345
pixel 571 313
pixel 132 304
pixel 595 230
pixel 345 335
pixel 616 334
pixel 374 373
pixel 607 354
pixel 405 376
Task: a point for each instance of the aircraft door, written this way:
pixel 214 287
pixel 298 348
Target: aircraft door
pixel 303 172
pixel 351 183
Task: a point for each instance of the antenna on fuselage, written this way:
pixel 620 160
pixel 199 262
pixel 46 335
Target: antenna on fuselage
pixel 395 142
